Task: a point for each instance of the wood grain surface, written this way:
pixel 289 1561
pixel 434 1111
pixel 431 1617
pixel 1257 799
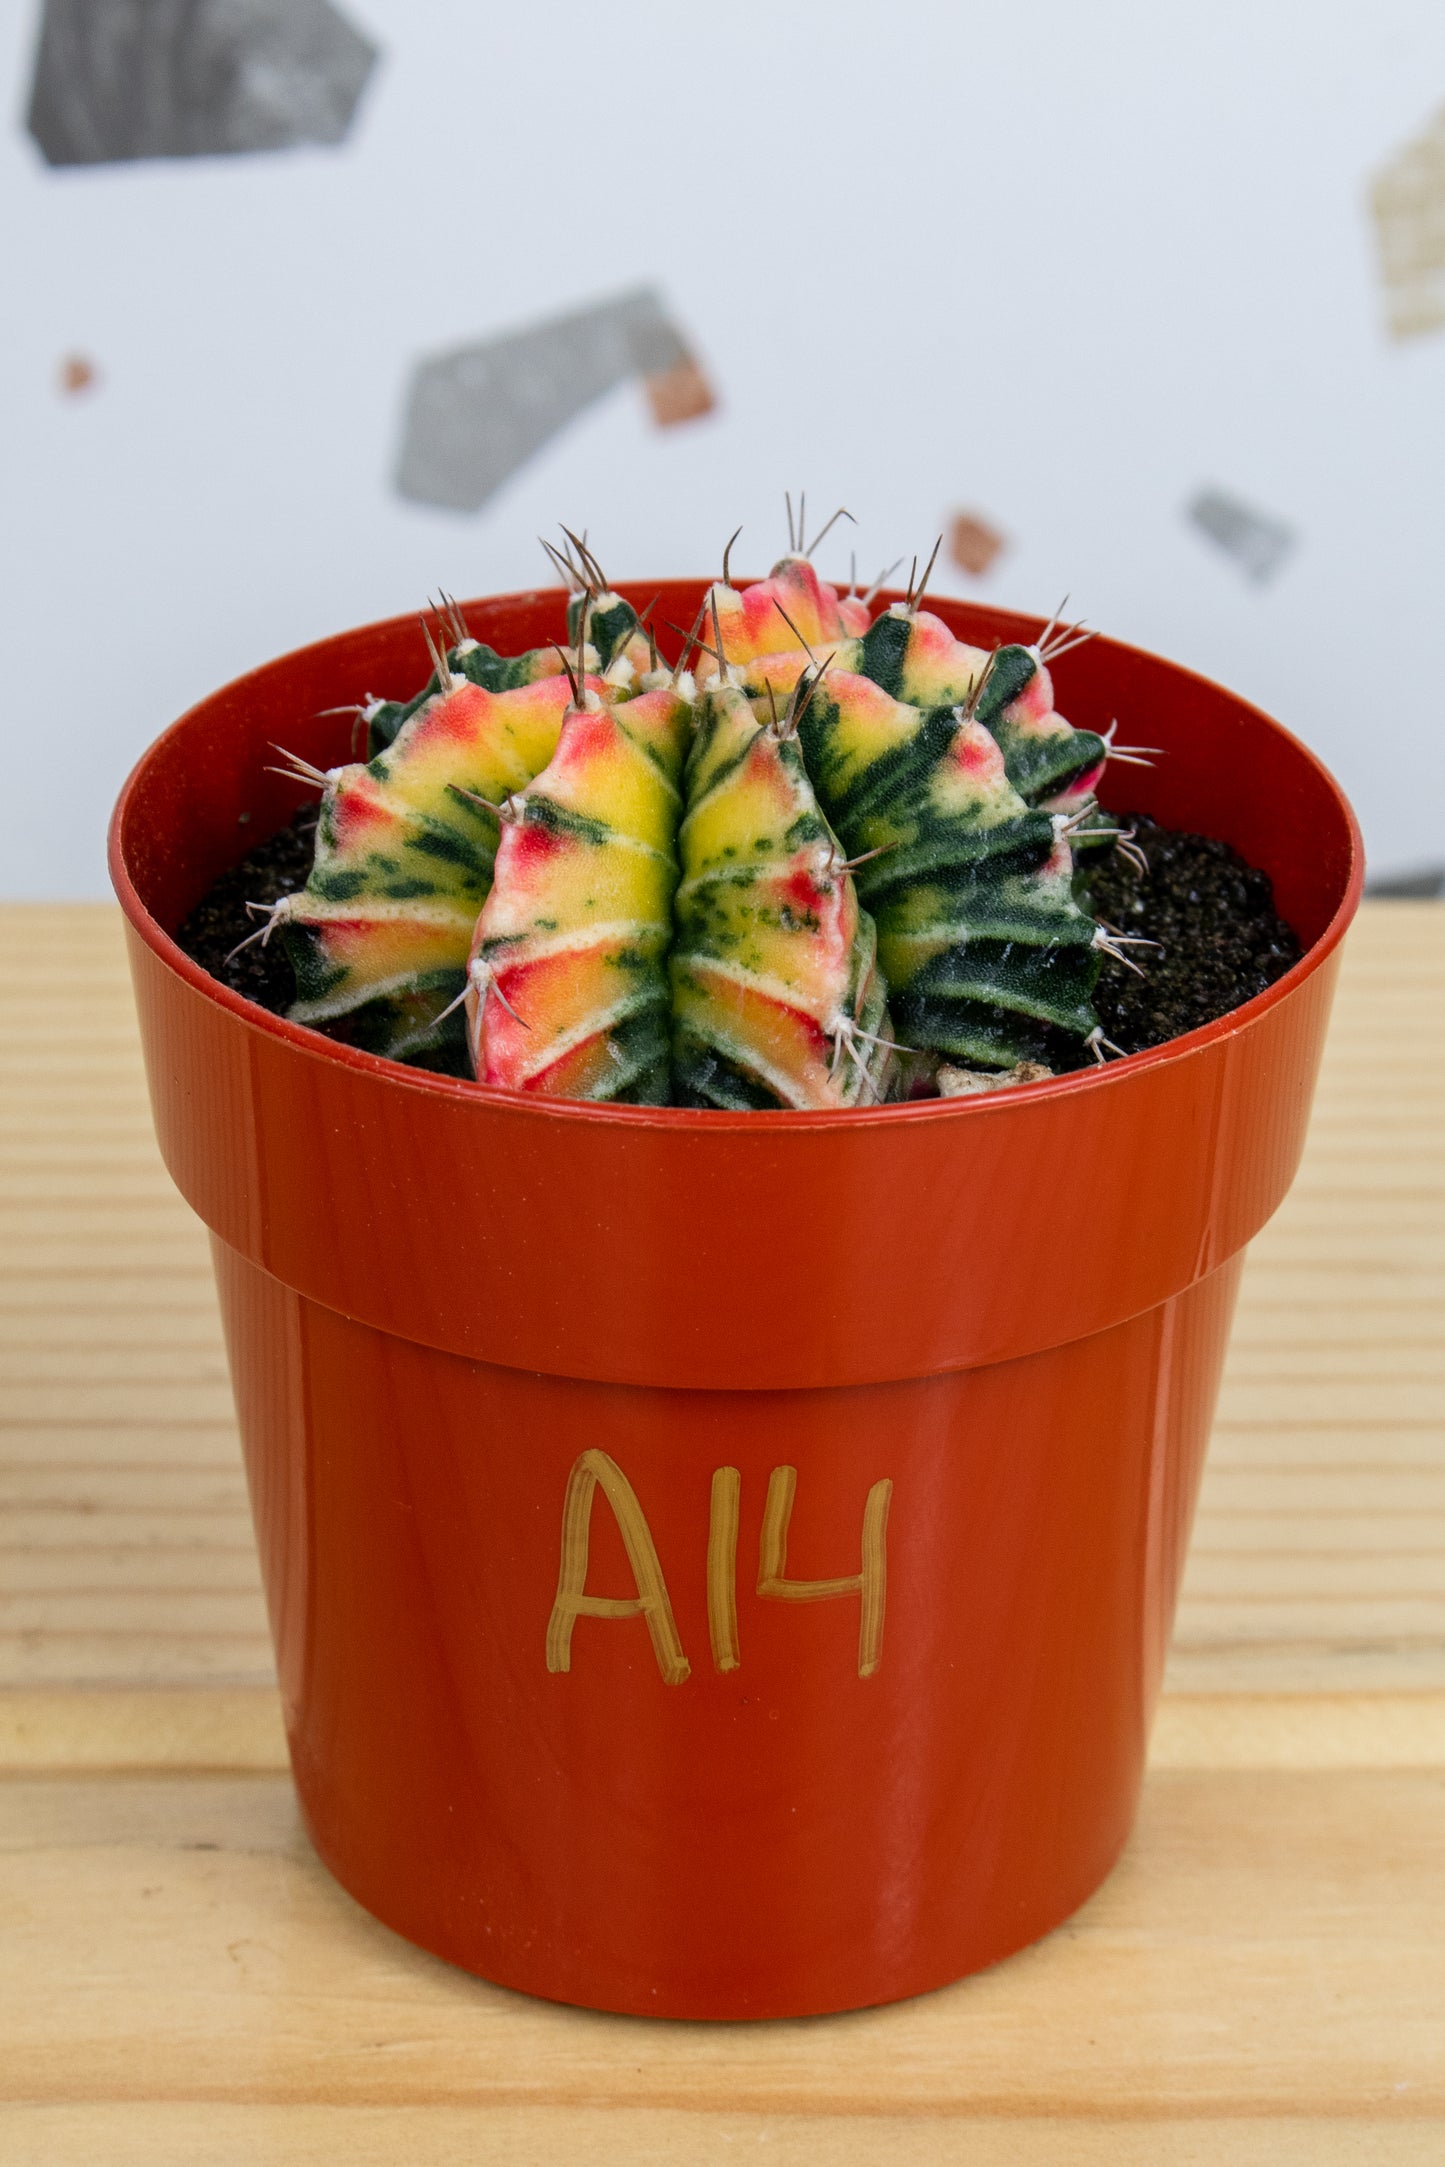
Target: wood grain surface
pixel 1262 1979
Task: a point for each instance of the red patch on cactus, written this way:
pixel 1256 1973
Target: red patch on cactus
pixel 773 615
pixel 530 847
pixel 452 719
pixel 800 892
pixel 1078 794
pixel 975 752
pixel 1036 702
pixel 354 813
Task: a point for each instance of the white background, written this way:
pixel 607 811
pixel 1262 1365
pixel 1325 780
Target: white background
pixel 1062 263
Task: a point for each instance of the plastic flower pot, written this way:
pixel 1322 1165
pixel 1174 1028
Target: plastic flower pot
pixel 721 1565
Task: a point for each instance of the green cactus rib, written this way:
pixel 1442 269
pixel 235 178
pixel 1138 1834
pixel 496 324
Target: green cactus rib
pixel 987 953
pixel 607 623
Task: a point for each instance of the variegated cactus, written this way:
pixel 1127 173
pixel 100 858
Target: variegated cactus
pixel 837 862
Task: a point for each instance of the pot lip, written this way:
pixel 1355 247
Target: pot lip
pixel 702 1121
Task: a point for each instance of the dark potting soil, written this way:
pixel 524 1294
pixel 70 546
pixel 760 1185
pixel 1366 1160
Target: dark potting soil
pixel 1220 938
pixel 220 920
pixel 1221 941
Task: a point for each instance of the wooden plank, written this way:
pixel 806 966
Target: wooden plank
pixel 238 1727
pixel 1341 1402
pixel 131 1403
pixel 1270 1939
pixel 95 1572
pixel 220 2134
pixel 125 1727
pixel 1227 1534
pixel 154 1442
pixel 1299 1730
pixel 142 1486
pixel 1360 1488
pixel 1279 1361
pixel 1300 1450
pixel 1270 1667
pixel 54 1531
pixel 196 1611
pixel 1220 1576
pixel 151 1656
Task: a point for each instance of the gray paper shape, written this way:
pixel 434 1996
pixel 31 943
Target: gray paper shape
pixel 475 414
pixel 123 79
pixel 1416 883
pixel 1258 544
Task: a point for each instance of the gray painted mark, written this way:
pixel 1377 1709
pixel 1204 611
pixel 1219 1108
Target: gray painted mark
pixel 1257 543
pixel 1418 883
pixel 476 413
pixel 123 79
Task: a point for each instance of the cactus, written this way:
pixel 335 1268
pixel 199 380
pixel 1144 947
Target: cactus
pixel 567 988
pixel 731 891
pixel 777 997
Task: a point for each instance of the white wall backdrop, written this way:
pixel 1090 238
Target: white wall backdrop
pixel 1064 265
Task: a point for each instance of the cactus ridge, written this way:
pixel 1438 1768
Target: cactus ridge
pixel 971 892
pixel 567 977
pixel 777 995
pixel 480 665
pixel 404 860
pixel 611 627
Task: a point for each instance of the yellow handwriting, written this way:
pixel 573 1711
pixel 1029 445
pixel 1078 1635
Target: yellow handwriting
pixel 593 1471
pixel 870 1583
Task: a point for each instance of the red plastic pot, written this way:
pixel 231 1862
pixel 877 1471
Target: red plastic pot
pixel 721 1565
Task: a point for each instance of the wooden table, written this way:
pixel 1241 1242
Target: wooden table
pixel 1262 1979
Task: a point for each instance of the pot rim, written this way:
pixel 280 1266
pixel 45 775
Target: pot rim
pixel 703 1120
